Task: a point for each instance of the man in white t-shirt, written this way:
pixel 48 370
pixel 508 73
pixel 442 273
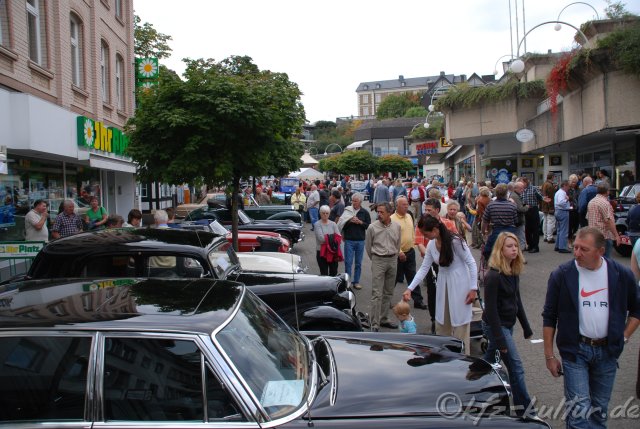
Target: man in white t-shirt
pixel 35 222
pixel 588 300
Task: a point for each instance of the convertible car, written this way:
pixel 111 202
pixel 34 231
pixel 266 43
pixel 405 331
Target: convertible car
pixel 136 354
pixel 306 301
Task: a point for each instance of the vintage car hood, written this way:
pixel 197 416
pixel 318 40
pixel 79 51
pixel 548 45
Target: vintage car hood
pixel 270 262
pixel 392 378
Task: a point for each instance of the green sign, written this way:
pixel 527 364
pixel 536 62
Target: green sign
pixel 20 249
pixel 94 135
pixel 147 68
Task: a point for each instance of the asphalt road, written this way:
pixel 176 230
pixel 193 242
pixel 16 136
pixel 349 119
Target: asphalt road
pixel 624 407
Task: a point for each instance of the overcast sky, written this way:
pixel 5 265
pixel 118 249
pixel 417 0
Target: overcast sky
pixel 329 46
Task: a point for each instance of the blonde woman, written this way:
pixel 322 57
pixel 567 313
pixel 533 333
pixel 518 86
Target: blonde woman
pixel 502 307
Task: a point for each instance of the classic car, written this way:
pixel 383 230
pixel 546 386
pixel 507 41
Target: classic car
pixel 184 209
pixel 133 353
pixel 248 240
pixel 289 230
pixel 306 301
pixel 263 212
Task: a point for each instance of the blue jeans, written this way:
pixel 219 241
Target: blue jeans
pixel 313 212
pixel 608 246
pixel 588 383
pixel 562 229
pixel 353 249
pixel 521 398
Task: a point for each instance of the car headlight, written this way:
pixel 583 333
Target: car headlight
pixel 350 298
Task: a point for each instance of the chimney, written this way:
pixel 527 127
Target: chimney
pixel 401 78
pixel 463 78
pixel 441 73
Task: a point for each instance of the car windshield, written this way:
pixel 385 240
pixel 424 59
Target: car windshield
pixel 271 357
pixel 244 219
pixel 216 228
pixel 223 259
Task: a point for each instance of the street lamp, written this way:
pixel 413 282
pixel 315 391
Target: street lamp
pixel 517 66
pixel 432 107
pixel 332 144
pixel 495 66
pixel 557 27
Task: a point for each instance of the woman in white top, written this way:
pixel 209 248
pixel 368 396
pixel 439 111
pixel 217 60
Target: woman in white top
pixel 457 282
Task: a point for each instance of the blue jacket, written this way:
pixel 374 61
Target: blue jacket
pixel 561 307
pixel 586 195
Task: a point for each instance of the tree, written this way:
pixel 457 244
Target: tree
pixel 227 120
pixel 357 162
pixel 329 164
pixel 616 9
pixel 396 105
pixel 394 164
pixel 148 42
pixel 415 112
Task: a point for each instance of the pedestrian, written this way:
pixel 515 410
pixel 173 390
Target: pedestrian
pixel 457 282
pixel 35 222
pixel 482 201
pixel 322 229
pixel 97 214
pixel 114 221
pixel 337 205
pixel 454 214
pixel 299 201
pixel 67 222
pixel 161 219
pixel 547 205
pixel 432 207
pixel 600 215
pixel 592 308
pixel 382 245
pixel 516 197
pixel 574 196
pixel 407 325
pixel 407 255
pixel 589 190
pixel 561 210
pixel 499 216
pixel 381 193
pixel 262 198
pixel 313 205
pixel 134 218
pixel 502 308
pixel 398 190
pixel 353 224
pixel 532 198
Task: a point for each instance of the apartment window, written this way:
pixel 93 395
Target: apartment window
pixel 378 98
pixel 120 82
pixel 36 35
pixel 365 98
pixel 104 71
pixel 118 8
pixel 4 23
pixel 75 29
pixel 365 111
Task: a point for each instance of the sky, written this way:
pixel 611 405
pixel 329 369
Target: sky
pixel 327 47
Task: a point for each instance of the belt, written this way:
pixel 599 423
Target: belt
pixel 595 342
pixel 385 256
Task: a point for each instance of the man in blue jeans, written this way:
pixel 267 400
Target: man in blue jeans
pixel 313 205
pixel 587 303
pixel 561 209
pixel 354 223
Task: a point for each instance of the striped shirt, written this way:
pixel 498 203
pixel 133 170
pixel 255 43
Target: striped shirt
pixel 599 212
pixel 500 213
pixel 531 196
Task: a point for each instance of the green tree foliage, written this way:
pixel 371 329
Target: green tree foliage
pixel 394 164
pixel 350 162
pixel 148 42
pixel 415 112
pixel 616 9
pixel 329 164
pixel 227 120
pixel 396 105
pixel 328 132
pixel 624 48
pixel 435 130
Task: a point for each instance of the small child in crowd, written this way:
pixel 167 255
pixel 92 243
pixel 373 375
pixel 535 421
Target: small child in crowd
pixel 402 312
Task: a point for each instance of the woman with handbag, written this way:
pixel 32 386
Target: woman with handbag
pixel 323 228
pixel 299 201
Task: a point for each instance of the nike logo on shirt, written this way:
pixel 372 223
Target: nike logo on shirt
pixel 585 294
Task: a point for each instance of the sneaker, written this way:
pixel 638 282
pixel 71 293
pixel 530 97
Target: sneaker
pixel 551 241
pixel 357 286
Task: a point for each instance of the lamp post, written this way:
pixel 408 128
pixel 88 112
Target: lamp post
pixel 332 144
pixel 431 107
pixel 495 66
pixel 517 66
pixel 557 27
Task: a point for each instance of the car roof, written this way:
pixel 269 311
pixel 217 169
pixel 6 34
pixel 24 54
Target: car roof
pixel 130 238
pixel 183 305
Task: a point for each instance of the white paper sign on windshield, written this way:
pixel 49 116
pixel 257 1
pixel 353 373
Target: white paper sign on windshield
pixel 282 393
pixel 222 263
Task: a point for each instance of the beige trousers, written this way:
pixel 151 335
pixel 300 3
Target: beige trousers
pixel 462 332
pixel 383 280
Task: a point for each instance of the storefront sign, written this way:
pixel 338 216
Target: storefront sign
pixel 95 136
pixel 427 148
pixel 20 249
pixel 524 135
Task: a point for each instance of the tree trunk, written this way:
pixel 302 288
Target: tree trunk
pixel 235 187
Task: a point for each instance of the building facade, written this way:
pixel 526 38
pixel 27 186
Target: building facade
pixel 66 92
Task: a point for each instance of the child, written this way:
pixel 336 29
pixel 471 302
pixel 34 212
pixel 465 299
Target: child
pixel 407 324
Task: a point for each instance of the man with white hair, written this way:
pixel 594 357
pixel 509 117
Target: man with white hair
pixel 67 223
pixel 161 219
pixel 416 197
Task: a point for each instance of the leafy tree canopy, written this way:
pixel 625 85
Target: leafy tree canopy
pixel 350 162
pixel 394 164
pixel 328 132
pixel 148 42
pixel 416 111
pixel 396 105
pixel 616 9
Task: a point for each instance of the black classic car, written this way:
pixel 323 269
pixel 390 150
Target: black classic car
pixel 290 230
pixel 127 353
pixel 306 301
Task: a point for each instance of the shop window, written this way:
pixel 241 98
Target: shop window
pixel 75 30
pixel 36 32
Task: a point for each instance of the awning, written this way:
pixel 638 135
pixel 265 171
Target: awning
pixel 357 145
pixel 452 152
pixel 112 164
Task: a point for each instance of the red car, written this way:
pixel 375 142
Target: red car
pixel 249 240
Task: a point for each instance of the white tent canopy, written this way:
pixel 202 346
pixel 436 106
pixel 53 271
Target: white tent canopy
pixel 307 159
pixel 307 173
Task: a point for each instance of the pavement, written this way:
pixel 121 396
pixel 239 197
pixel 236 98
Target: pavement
pixel 624 407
